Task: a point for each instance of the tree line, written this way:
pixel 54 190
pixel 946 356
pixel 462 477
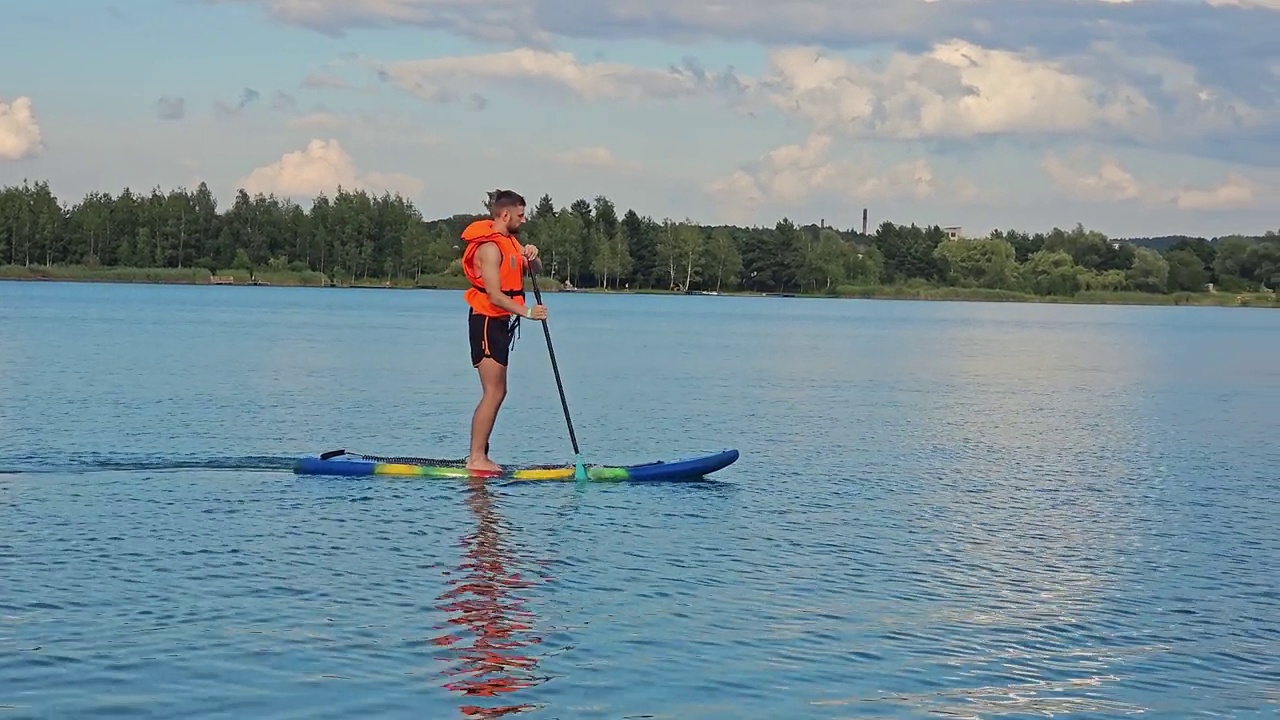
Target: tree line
pixel 357 236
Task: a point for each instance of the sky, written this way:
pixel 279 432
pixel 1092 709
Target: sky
pixel 1145 117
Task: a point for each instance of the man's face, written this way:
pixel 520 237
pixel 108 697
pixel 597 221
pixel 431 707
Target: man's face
pixel 514 217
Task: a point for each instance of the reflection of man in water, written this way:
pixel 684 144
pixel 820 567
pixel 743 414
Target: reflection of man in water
pixel 481 601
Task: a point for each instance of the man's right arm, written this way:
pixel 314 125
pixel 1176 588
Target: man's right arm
pixel 488 257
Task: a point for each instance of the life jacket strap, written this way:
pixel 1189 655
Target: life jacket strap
pixel 509 293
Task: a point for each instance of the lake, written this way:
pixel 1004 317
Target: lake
pixel 969 510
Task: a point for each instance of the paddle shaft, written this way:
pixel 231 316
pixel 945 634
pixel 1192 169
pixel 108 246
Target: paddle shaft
pixel 551 351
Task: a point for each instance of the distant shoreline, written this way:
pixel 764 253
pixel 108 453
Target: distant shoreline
pixel 285 278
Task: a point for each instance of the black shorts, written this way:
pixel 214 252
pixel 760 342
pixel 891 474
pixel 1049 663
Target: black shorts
pixel 491 337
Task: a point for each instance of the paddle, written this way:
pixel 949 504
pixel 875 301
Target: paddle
pixel 579 470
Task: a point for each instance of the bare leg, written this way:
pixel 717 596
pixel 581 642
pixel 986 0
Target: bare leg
pixel 493 381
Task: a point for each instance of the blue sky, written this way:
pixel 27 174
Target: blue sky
pixel 1134 118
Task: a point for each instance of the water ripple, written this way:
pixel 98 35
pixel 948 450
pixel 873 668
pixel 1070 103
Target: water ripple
pixel 949 510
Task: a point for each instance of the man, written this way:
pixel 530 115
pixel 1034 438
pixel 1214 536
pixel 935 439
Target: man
pixel 494 261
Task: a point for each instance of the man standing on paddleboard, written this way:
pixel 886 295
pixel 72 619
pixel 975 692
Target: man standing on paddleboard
pixel 494 262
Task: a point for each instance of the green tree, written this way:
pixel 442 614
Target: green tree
pixel 562 249
pixel 1024 244
pixel 612 259
pixel 680 249
pixel 1262 264
pixel 908 252
pixel 723 260
pixel 1202 249
pixel 1052 272
pixel 642 247
pixel 978 262
pixel 543 209
pixel 1103 281
pixel 1229 264
pixel 1088 249
pixel 352 234
pixel 1150 271
pixel 865 265
pixel 1186 271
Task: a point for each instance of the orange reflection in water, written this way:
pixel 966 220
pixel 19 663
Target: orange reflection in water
pixel 487 611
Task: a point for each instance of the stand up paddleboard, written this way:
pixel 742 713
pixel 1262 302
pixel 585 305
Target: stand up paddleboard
pixel 342 463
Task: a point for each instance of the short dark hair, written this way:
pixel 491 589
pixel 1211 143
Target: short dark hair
pixel 500 200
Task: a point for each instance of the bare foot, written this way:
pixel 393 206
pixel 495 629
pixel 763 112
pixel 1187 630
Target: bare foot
pixel 483 464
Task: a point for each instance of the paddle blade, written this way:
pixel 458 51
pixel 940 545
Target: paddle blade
pixel 579 470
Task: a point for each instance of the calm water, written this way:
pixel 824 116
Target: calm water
pixel 942 509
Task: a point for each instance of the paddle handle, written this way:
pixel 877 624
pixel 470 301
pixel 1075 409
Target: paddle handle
pixel 555 368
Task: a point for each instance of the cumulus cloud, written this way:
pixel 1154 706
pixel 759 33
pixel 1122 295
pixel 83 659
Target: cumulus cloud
pixel 1146 73
pixel 1110 181
pixel 1234 192
pixel 1105 179
pixel 797 174
pixel 1151 72
pixel 322 167
pixel 1184 101
pixel 492 20
pixel 20 135
pixel 831 23
pixel 449 79
pixel 1190 32
pixel 954 89
pixel 1267 4
pixel 593 157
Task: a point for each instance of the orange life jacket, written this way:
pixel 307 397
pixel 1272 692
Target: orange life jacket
pixel 510 269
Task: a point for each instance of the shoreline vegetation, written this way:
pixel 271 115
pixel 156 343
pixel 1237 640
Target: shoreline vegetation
pixel 911 291
pixel 356 239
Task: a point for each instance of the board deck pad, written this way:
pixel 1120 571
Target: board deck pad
pixel 342 463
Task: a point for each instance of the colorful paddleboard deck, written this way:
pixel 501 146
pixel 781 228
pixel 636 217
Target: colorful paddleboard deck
pixel 342 463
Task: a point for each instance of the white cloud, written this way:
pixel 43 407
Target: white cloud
pixel 832 22
pixel 1105 179
pixel 322 167
pixel 450 79
pixel 20 134
pixel 1009 55
pixel 1264 4
pixel 593 157
pixel 1087 69
pixel 796 175
pixel 493 20
pixel 1110 182
pixel 1184 104
pixel 1235 192
pixel 956 89
pixel 1142 71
